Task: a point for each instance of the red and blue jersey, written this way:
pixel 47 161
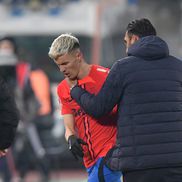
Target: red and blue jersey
pixel 99 134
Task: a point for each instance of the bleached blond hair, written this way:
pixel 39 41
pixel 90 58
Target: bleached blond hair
pixel 63 44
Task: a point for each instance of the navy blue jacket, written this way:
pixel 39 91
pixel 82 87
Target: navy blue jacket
pixel 147 86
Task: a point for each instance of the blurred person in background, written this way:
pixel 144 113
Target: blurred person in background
pixel 41 87
pixel 147 86
pixel 87 137
pixel 21 79
pixel 8 123
pixel 8 60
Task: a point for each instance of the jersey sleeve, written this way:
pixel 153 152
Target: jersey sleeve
pixel 63 94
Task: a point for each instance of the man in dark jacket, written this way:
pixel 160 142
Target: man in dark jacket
pixel 8 118
pixel 147 86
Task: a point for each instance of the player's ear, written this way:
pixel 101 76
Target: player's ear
pixel 79 55
pixel 135 37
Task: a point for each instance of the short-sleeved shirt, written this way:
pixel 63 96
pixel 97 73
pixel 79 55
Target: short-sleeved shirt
pixel 99 134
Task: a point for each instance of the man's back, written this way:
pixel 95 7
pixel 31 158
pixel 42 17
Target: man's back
pixel 151 109
pixel 151 112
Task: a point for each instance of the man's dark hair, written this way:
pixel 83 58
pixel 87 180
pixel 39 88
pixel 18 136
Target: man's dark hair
pixel 141 27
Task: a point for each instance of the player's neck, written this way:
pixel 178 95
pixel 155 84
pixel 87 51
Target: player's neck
pixel 84 70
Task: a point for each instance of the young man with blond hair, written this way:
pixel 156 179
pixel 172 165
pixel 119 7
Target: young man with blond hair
pixel 87 137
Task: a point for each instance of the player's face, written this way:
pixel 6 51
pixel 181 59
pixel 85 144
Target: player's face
pixel 129 40
pixel 69 65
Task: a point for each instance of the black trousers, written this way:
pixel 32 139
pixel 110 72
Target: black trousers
pixel 173 174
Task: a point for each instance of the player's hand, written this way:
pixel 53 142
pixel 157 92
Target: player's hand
pixel 75 147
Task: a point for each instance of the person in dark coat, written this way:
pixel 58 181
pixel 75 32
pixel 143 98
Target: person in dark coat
pixel 147 87
pixel 9 118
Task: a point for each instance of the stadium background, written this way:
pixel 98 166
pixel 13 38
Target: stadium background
pixel 100 26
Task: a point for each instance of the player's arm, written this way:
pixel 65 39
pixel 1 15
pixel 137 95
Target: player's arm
pixel 69 125
pixel 74 143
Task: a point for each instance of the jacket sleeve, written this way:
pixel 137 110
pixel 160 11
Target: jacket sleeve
pixel 109 95
pixel 9 116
